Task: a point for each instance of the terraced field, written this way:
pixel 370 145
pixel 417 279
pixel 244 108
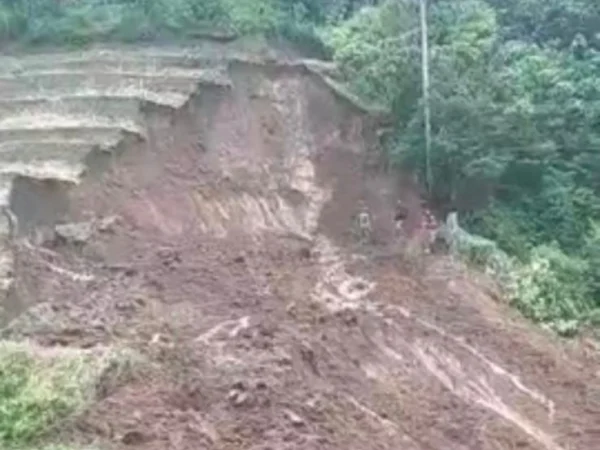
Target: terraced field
pixel 65 116
pixel 197 205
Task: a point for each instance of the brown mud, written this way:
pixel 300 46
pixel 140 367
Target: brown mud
pixel 231 263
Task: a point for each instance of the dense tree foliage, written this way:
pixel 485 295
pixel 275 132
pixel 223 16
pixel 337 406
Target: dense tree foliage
pixel 80 21
pixel 515 101
pixel 515 106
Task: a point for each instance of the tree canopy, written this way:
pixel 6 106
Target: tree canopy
pixel 515 101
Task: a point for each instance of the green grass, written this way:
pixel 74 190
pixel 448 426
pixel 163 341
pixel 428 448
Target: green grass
pixel 40 387
pixel 81 23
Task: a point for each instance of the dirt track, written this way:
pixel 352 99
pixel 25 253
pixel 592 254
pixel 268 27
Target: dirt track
pixel 231 264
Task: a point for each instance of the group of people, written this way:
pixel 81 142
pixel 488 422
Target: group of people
pixel 426 230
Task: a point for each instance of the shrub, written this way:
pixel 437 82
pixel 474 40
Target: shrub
pixel 304 36
pixel 82 22
pixel 40 387
pixel 253 16
pixel 373 52
pixel 11 23
pixel 552 289
pixel 591 253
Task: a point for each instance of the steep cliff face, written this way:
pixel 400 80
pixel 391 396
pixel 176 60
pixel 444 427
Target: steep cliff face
pixel 198 204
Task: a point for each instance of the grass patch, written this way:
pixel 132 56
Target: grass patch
pixel 40 387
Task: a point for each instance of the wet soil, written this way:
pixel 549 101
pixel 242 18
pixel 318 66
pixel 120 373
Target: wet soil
pixel 232 265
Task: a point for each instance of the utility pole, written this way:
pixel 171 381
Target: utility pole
pixel 426 107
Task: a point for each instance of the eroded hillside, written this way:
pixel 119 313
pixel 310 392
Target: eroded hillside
pixel 196 205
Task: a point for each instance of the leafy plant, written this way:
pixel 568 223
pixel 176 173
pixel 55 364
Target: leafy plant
pixel 375 51
pixel 514 120
pixel 253 16
pixel 40 387
pixel 551 289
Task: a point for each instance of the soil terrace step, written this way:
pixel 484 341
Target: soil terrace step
pixel 65 82
pixel 132 63
pixel 5 188
pixel 92 134
pixel 190 56
pixel 47 170
pixel 147 71
pixel 30 151
pixel 128 108
pixel 104 81
pixel 171 99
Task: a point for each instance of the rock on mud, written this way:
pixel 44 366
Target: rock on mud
pixel 294 418
pixel 238 398
pixel 75 233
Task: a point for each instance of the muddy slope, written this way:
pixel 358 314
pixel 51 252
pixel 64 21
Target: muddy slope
pixel 221 246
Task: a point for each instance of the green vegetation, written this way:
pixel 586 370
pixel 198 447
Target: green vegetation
pixel 80 22
pixel 515 101
pixel 41 387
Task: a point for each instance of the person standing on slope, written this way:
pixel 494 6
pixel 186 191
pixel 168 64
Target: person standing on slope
pixel 364 225
pixel 429 228
pixel 400 216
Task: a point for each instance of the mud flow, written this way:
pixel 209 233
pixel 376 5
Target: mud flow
pixel 198 205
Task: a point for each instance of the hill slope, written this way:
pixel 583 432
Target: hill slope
pixel 196 204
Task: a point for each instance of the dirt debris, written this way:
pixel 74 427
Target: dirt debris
pixel 267 326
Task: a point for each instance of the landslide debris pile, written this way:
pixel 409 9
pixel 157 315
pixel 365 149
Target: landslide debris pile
pixel 196 205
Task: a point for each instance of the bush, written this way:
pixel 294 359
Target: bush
pixel 552 289
pixel 591 253
pixel 503 226
pixel 373 51
pixel 11 23
pixel 40 387
pixel 480 252
pixel 253 16
pixel 79 23
pixel 305 37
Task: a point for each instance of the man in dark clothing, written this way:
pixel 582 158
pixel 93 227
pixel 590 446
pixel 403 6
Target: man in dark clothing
pixel 400 215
